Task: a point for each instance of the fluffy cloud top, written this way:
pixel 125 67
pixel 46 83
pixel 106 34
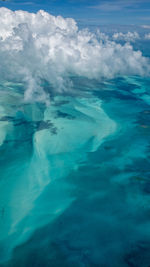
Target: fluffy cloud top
pixel 128 37
pixel 41 47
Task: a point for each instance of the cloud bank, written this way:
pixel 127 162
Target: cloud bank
pixel 41 47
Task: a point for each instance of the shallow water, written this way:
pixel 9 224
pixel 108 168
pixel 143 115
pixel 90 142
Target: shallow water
pixel 75 188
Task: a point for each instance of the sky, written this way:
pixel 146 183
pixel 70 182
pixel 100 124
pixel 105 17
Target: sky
pixel 124 12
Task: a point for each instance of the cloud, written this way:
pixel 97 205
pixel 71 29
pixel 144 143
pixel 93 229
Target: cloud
pixel 147 36
pixel 117 5
pixel 41 47
pixel 108 7
pixel 145 26
pixel 128 37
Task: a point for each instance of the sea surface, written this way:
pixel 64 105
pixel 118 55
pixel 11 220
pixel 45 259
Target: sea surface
pixel 75 176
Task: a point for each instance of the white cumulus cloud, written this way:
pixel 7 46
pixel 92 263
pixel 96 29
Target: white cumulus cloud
pixel 41 47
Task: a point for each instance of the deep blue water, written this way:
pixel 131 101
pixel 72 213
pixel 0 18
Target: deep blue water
pixel 75 177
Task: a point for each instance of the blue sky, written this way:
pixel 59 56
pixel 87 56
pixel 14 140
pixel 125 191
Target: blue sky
pixel 90 11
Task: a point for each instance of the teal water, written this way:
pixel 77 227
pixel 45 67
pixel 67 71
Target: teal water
pixel 74 183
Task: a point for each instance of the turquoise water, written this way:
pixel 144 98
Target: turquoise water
pixel 74 181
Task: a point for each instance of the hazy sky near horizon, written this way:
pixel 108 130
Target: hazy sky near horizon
pixel 89 11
